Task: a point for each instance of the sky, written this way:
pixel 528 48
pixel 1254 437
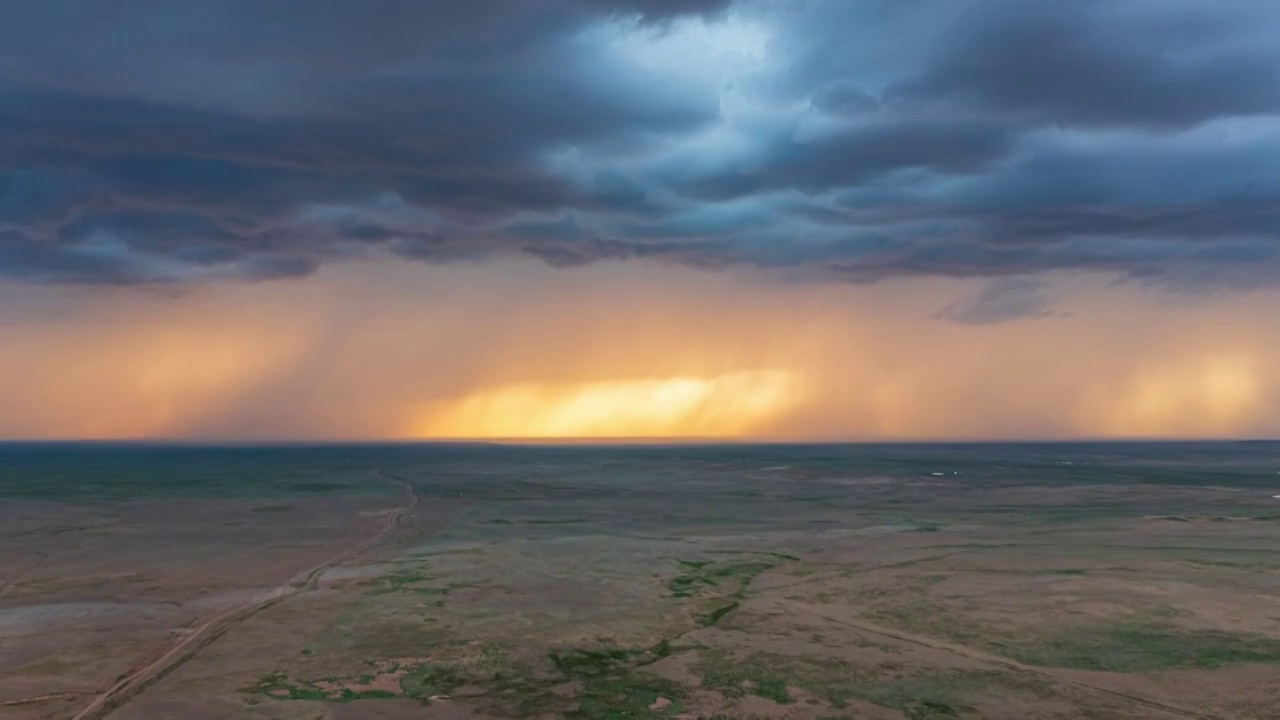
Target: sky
pixel 774 219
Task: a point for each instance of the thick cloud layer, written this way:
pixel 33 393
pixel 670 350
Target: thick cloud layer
pixel 151 142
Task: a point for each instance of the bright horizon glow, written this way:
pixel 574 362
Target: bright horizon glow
pixel 731 405
pixel 518 351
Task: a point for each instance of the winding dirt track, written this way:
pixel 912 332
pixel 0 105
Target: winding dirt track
pixel 192 641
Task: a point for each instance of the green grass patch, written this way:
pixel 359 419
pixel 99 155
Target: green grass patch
pixel 735 679
pixel 591 663
pixel 782 556
pixel 614 687
pixel 932 620
pixel 408 581
pixel 1138 645
pixel 716 615
pixel 1145 647
pixel 928 709
pixel 919 697
pixel 515 694
pixel 420 682
pixel 683 586
pixel 426 680
pixel 730 578
pixel 281 687
pixel 628 695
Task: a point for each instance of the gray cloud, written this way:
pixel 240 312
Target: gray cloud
pixel 853 155
pixel 147 142
pixel 1100 63
pixel 1000 301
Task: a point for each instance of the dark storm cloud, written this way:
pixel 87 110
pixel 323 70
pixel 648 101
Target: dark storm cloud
pixel 151 142
pixel 1098 62
pixel 855 154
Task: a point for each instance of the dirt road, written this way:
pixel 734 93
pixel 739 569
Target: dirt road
pixel 190 642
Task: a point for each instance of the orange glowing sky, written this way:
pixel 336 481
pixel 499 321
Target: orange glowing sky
pixel 516 349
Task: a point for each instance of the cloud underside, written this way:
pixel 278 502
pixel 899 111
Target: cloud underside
pixel 148 142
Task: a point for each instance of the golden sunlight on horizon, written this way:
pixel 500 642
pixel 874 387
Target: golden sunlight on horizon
pixel 727 406
pixel 369 351
pixel 144 380
pixel 1214 391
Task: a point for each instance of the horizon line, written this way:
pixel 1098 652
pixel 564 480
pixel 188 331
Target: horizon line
pixel 615 441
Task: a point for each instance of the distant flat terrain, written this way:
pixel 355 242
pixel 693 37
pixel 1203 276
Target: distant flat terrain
pixel 486 581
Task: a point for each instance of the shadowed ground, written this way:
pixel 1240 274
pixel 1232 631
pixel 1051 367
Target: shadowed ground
pixel 983 581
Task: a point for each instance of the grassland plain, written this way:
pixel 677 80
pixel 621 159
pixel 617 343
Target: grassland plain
pixel 925 581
